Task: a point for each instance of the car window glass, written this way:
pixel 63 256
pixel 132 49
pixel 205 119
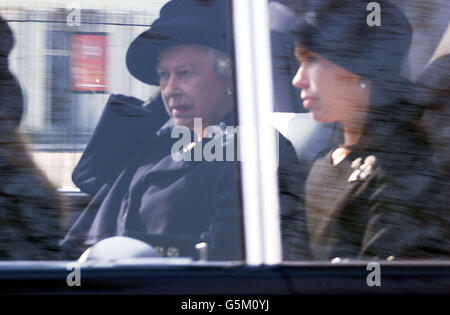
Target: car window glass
pixel 112 148
pixel 372 185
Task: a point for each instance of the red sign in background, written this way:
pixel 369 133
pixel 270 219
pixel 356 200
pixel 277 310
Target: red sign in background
pixel 88 63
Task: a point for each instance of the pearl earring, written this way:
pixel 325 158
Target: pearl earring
pixel 362 85
pixel 229 91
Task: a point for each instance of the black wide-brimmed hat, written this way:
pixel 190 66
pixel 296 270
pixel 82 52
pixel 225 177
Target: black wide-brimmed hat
pixel 181 22
pixel 344 32
pixel 11 97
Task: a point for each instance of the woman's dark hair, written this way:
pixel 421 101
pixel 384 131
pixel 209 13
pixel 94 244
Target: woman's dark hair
pixel 394 107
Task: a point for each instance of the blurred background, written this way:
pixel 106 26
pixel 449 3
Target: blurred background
pixel 69 56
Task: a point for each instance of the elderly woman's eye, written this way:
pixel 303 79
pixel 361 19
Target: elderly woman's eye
pixel 185 73
pixel 163 76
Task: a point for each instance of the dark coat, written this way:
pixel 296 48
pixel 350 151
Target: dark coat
pixel 378 203
pixel 139 191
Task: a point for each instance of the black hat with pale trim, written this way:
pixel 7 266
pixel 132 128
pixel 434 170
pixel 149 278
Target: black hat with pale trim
pixel 181 22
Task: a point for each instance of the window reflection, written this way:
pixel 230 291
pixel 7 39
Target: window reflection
pixel 370 167
pixel 140 188
pixel 30 207
pixel 126 150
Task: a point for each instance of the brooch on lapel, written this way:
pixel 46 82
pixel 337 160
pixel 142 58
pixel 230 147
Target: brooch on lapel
pixel 362 170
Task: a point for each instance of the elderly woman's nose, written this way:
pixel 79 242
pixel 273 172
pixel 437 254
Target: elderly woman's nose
pixel 172 81
pixel 171 84
pixel 300 80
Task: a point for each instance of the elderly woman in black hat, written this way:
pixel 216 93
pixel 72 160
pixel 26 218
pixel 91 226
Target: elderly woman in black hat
pixel 139 190
pixel 29 205
pixel 373 196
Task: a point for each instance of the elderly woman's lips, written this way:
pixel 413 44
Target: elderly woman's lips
pixel 180 110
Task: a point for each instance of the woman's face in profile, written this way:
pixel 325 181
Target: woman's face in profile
pixel 190 86
pixel 328 91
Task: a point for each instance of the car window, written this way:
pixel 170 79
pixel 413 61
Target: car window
pixel 135 127
pixel 89 119
pixel 374 176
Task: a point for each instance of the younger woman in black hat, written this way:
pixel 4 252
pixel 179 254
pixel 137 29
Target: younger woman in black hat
pixel 371 197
